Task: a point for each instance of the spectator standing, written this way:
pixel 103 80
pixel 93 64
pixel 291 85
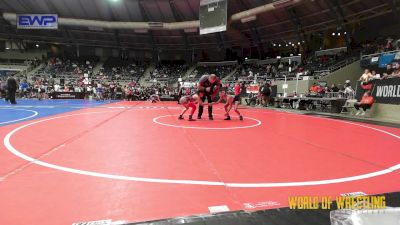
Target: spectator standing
pixel 243 89
pixel 2 89
pixel 314 88
pixel 187 91
pixel 23 87
pixel 349 92
pixel 347 84
pixel 57 88
pixel 180 93
pixel 265 91
pixel 365 77
pixel 237 91
pixel 99 92
pixel 11 89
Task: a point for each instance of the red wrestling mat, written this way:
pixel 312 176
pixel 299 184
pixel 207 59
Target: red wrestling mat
pixel 135 162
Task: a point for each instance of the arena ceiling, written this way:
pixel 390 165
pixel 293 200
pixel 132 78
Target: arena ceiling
pixel 288 23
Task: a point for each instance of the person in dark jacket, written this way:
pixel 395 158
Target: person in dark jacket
pixel 265 92
pixel 209 85
pixel 3 87
pixel 11 89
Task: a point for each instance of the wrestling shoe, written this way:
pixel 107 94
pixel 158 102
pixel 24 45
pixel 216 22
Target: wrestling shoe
pixel 180 117
pixel 199 117
pixel 211 118
pixel 228 118
pixel 241 117
pixel 191 119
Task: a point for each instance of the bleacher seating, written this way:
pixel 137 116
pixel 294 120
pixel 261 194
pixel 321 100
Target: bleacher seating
pixel 278 69
pixel 169 71
pixel 220 70
pixel 116 69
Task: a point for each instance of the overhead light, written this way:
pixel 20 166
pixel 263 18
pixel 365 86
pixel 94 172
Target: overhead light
pixel 280 45
pixel 246 58
pixel 345 32
pixel 298 43
pixel 274 45
pixel 290 43
pixel 287 45
pixel 333 34
pixel 299 54
pixel 7 48
pixel 37 46
pixel 293 44
pixel 338 34
pixel 278 57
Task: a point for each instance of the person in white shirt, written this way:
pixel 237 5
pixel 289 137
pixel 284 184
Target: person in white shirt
pixel 365 77
pixel 375 76
pixel 56 87
pixel 349 92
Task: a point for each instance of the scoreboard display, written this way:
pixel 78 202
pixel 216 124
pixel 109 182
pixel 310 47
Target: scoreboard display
pixel 213 16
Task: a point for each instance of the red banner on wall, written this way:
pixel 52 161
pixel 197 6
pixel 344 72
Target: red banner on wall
pixel 252 89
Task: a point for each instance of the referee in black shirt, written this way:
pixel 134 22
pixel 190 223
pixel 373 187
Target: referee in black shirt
pixel 209 85
pixel 11 89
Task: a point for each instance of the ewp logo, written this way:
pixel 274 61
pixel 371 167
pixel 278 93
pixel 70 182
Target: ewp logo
pixel 37 21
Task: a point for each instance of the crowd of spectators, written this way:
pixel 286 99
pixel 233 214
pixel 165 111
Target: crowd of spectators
pixel 380 46
pixel 254 72
pixel 334 90
pixel 70 67
pixel 133 92
pixel 119 79
pixel 257 73
pixel 45 89
pixel 78 75
pixel 168 70
pixel 27 62
pixel 221 71
pixel 314 66
pixel 392 71
pixel 116 69
pixel 116 80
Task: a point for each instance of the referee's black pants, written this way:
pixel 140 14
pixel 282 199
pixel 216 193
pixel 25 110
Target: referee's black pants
pixel 201 108
pixel 11 96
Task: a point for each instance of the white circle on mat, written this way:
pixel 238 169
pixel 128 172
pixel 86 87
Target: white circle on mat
pixel 34 113
pixel 21 155
pixel 155 120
